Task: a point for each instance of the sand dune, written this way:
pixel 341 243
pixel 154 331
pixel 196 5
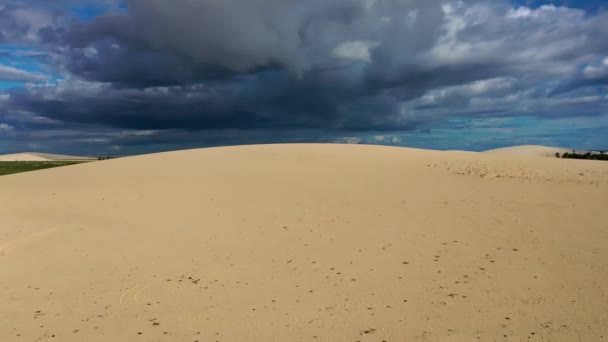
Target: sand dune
pixel 42 157
pixel 306 243
pixel 530 151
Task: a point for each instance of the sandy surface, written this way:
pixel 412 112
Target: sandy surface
pixel 531 151
pixel 306 243
pixel 34 156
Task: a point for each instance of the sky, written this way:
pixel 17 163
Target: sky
pixel 121 77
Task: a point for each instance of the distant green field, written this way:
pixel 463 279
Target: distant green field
pixel 11 167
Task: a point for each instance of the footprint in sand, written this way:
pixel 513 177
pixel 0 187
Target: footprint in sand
pixel 133 293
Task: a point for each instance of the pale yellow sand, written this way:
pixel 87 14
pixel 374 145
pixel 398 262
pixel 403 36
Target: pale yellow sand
pixel 34 156
pixel 306 243
pixel 531 151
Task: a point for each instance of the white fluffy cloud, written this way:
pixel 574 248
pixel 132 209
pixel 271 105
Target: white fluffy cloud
pixel 9 73
pixel 597 70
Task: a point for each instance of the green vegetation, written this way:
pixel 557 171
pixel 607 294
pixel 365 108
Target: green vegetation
pixel 10 167
pixel 588 155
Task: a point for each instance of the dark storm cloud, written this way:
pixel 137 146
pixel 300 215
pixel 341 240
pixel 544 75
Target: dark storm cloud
pixel 272 100
pixel 218 39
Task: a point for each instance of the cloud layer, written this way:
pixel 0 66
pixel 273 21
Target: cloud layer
pixel 11 74
pixel 333 66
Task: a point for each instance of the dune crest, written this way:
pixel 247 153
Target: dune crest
pixel 306 243
pixel 41 157
pixel 529 151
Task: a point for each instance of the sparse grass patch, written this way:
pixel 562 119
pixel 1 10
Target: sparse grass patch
pixel 11 167
pixel 588 155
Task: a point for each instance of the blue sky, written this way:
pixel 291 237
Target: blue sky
pixel 101 77
pixel 17 57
